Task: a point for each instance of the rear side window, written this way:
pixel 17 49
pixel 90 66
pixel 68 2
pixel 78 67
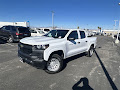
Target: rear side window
pixel 82 34
pixel 13 28
pixel 33 31
pixel 23 30
pixel 73 34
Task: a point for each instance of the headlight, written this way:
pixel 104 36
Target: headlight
pixel 38 46
pixel 41 47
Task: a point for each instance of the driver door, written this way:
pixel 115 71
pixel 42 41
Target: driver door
pixel 72 45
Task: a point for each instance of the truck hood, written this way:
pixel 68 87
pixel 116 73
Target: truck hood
pixel 40 40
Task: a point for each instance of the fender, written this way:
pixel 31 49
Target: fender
pixel 48 52
pixel 91 45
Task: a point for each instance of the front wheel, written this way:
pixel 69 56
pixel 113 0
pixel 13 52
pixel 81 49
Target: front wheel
pixel 55 64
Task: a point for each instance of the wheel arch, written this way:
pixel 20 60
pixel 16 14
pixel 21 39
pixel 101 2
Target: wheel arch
pixel 92 45
pixel 59 52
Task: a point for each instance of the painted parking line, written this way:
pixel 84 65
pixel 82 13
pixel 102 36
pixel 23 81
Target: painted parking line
pixel 10 44
pixel 8 50
pixel 13 44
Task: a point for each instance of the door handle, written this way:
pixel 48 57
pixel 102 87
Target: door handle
pixel 86 41
pixel 78 42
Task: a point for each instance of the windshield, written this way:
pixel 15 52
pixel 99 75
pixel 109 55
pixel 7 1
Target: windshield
pixel 57 33
pixel 41 32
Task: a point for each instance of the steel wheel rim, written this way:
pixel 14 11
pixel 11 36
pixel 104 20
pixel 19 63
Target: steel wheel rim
pixel 10 39
pixel 53 65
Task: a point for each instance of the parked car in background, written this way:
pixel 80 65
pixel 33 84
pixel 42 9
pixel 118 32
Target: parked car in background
pixel 36 32
pixel 105 34
pixel 45 30
pixel 14 33
pixel 118 36
pixel 94 33
pixel 89 33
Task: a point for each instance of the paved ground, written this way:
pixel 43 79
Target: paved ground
pixel 99 72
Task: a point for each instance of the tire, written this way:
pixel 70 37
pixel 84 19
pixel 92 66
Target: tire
pixel 10 39
pixel 54 64
pixel 90 52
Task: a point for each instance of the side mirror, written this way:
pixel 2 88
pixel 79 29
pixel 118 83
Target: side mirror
pixel 71 39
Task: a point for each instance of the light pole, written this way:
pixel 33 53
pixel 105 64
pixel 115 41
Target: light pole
pixel 114 28
pixel 52 19
pixel 117 41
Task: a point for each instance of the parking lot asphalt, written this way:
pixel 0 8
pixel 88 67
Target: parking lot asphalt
pixel 99 72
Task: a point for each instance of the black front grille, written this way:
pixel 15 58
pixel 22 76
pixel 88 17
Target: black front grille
pixel 25 48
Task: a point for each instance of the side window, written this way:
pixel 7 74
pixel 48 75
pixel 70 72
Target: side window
pixel 7 27
pixel 33 31
pixel 13 28
pixel 47 30
pixel 73 34
pixel 82 34
pixel 41 32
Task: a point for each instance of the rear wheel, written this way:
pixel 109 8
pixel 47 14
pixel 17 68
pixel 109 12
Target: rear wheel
pixel 55 64
pixel 90 51
pixel 10 39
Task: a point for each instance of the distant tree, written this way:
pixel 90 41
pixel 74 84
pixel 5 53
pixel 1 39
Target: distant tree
pixel 98 27
pixel 78 27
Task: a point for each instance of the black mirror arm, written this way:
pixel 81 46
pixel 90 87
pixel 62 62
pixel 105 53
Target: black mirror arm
pixel 71 39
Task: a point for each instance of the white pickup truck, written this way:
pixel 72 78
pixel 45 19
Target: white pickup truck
pixel 49 51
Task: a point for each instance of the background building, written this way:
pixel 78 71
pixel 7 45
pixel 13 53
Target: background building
pixel 110 32
pixel 25 24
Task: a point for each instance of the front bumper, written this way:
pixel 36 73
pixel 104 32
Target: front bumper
pixel 34 59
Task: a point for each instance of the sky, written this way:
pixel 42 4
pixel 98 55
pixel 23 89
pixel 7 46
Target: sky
pixel 67 13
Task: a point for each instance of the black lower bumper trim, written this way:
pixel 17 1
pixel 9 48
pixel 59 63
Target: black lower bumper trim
pixel 32 60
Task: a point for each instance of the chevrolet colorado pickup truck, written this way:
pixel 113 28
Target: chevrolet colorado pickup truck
pixel 49 51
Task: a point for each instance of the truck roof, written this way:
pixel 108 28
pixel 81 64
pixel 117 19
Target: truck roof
pixel 69 29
